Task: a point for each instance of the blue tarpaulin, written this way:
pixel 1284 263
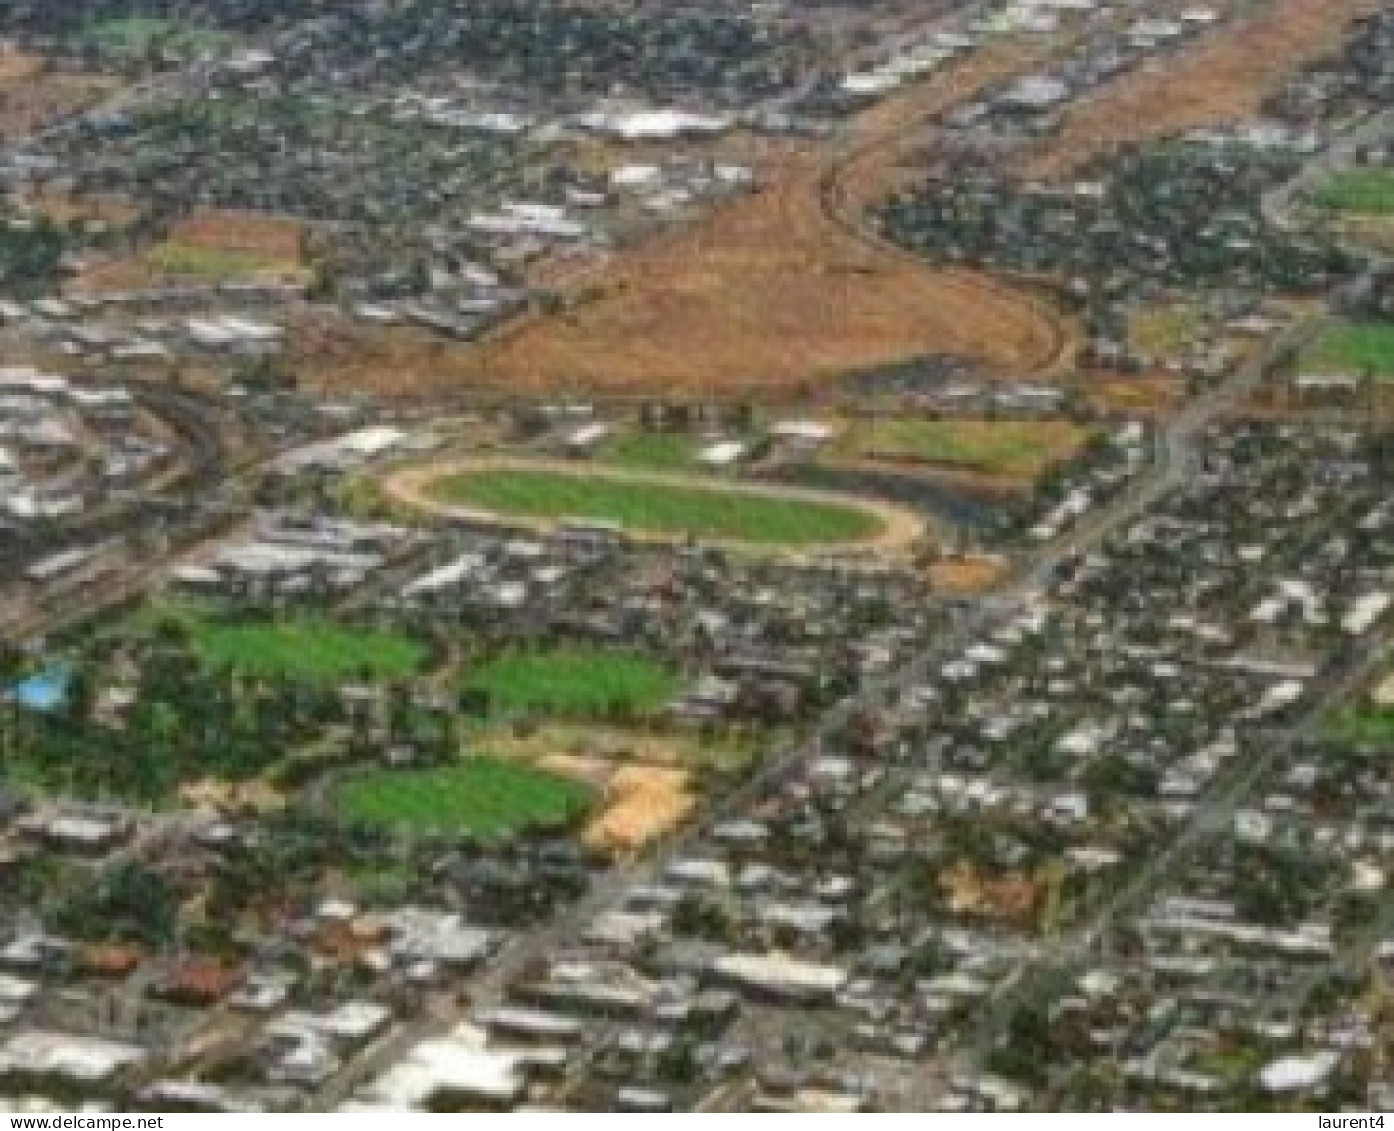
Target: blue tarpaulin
pixel 44 691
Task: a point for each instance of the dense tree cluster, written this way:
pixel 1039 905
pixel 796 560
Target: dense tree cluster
pixel 290 155
pixel 545 46
pixel 31 253
pixel 188 720
pixel 72 17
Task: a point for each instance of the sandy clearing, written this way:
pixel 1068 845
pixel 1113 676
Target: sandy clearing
pixel 642 804
pixel 969 575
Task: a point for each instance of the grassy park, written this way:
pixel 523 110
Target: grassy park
pixel 573 681
pixel 1354 348
pixel 1364 192
pixel 484 797
pixel 307 649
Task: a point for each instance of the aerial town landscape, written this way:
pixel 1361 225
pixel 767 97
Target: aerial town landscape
pixel 656 556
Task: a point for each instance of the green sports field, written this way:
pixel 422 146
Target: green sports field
pixel 306 649
pixel 652 451
pixel 483 797
pixel 645 505
pixel 1366 192
pixel 573 681
pixel 1354 348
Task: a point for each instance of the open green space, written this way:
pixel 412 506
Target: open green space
pixel 306 649
pixel 574 681
pixel 1364 726
pixel 309 650
pixel 1366 192
pixel 1354 348
pixel 1012 449
pixel 485 797
pixel 650 506
pixel 653 451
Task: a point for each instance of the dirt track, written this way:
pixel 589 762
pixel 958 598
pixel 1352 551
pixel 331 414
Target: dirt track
pixel 901 529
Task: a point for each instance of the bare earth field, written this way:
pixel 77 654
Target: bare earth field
pixel 967 576
pixel 1156 394
pixel 1224 77
pixel 272 238
pixel 1374 232
pixel 639 801
pixel 31 95
pixel 210 245
pixel 766 294
pixel 773 293
pixel 62 208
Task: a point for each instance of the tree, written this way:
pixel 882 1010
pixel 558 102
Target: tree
pixel 130 903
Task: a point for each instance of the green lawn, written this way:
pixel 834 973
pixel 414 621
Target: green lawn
pixel 485 797
pixel 648 506
pixel 652 451
pixel 1009 448
pixel 1353 348
pixel 574 681
pixel 1366 726
pixel 307 649
pixel 1368 192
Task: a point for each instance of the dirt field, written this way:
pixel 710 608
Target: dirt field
pixel 767 294
pixel 1148 394
pixel 328 351
pixel 967 576
pixel 18 67
pixel 1001 455
pixel 642 803
pixel 210 245
pixel 639 802
pixel 273 238
pixel 1222 78
pixel 31 94
pixel 773 293
pixel 64 209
